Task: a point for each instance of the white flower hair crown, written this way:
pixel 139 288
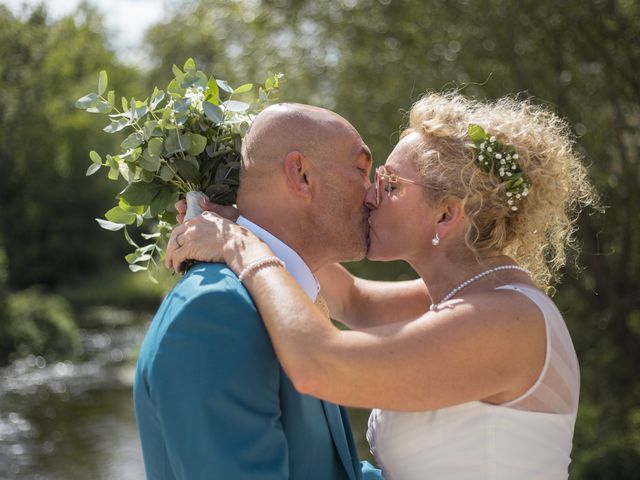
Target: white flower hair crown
pixel 500 160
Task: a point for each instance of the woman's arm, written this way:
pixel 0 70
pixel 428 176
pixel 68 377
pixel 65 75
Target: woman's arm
pixel 487 347
pixel 360 303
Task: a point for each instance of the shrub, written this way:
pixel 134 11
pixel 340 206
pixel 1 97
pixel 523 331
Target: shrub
pixel 36 323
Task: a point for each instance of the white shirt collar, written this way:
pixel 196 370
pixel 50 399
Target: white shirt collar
pixel 293 262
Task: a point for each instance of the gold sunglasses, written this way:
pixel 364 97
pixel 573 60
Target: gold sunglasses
pixel 392 179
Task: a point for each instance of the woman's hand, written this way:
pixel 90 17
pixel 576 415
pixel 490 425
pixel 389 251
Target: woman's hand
pixel 228 212
pixel 211 238
pixel 202 238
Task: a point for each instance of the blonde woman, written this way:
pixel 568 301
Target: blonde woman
pixel 481 200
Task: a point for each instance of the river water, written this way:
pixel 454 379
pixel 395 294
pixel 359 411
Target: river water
pixel 74 420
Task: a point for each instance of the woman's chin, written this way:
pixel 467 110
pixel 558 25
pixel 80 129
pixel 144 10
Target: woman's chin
pixel 374 252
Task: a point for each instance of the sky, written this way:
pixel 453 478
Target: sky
pixel 125 41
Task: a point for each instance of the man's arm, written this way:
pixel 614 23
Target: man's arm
pixel 214 382
pixel 360 303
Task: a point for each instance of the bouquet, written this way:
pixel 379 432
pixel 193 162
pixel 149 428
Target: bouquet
pixel 184 141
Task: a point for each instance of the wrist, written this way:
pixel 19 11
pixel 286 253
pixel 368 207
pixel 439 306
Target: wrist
pixel 243 248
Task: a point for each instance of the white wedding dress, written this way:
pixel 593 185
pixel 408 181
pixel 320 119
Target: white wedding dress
pixel 528 438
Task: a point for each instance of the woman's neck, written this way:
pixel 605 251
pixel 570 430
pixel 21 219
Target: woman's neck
pixel 442 273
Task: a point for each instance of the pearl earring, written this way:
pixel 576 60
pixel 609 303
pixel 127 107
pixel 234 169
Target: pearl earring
pixel 435 241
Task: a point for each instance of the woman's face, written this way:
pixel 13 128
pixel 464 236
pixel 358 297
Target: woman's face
pixel 402 224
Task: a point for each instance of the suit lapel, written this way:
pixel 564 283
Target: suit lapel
pixel 336 418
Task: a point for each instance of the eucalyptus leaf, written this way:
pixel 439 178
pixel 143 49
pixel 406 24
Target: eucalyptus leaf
pixel 100 107
pixel 136 257
pixel 126 171
pixel 187 170
pixel 132 141
pixel 175 143
pixel 197 143
pixel 95 157
pixel 236 106
pixel 243 88
pixel 107 225
pixel 140 193
pixel 87 101
pixel 154 147
pixel 118 215
pixel 177 73
pixel 189 65
pixel 166 173
pixel 213 92
pixel 224 86
pixel 129 239
pixel 149 236
pixel 93 168
pixel 159 203
pixel 116 125
pixel 114 173
pixel 137 268
pixel 102 82
pixel 213 112
pixel 156 98
pixel 151 164
pixel 476 133
pixel 151 129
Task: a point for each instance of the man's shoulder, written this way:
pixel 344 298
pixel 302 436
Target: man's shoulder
pixel 209 279
pixel 208 286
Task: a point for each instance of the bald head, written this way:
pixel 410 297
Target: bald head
pixel 283 128
pixel 304 176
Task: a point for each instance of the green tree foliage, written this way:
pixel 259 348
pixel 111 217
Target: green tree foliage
pixel 37 323
pixel 48 206
pixel 370 59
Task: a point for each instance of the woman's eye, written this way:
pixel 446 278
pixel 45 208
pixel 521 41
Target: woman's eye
pixel 389 188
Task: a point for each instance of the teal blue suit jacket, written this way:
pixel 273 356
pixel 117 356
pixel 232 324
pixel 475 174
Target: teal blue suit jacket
pixel 212 401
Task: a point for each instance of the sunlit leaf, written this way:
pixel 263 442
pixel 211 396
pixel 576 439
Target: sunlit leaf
pixel 93 168
pixel 109 225
pixel 102 82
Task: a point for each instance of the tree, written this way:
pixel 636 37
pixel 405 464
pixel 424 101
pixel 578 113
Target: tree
pixel 47 204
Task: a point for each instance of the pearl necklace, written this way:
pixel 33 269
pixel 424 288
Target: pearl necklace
pixel 468 282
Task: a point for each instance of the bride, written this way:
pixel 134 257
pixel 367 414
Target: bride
pixel 481 200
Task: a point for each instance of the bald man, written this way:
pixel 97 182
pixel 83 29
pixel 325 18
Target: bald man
pixel 212 401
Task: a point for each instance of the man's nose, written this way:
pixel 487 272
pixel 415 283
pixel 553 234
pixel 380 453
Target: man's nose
pixel 370 198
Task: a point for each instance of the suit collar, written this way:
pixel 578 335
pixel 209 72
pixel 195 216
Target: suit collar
pixel 293 262
pixel 337 420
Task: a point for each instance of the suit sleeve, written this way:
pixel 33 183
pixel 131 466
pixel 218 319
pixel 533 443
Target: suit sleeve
pixel 215 382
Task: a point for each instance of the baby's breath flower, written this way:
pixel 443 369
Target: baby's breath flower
pixel 500 160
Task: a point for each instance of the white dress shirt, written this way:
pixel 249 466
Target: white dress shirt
pixel 293 262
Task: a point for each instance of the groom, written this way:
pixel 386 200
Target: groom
pixel 211 399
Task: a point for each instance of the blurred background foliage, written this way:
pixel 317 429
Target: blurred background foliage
pixel 368 60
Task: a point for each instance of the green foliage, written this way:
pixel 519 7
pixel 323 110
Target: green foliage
pixel 39 324
pixel 185 140
pixel 46 202
pixel 115 287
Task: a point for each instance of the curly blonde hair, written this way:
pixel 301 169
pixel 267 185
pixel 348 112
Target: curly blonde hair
pixel 538 233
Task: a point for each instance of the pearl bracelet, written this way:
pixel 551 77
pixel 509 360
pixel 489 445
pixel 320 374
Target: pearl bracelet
pixel 263 262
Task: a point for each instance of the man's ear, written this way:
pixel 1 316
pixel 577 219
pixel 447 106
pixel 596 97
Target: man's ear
pixel 297 173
